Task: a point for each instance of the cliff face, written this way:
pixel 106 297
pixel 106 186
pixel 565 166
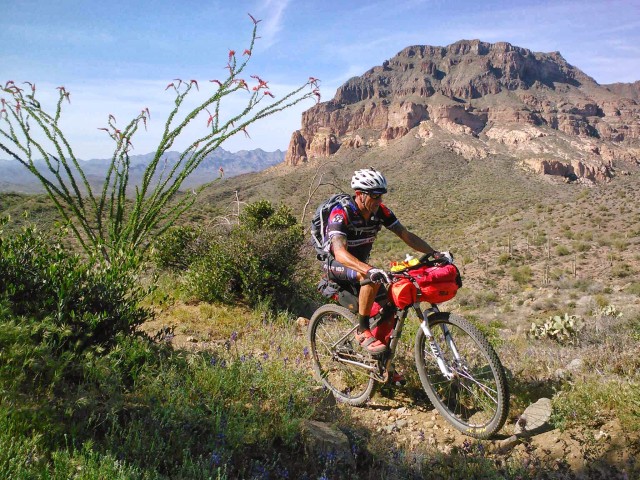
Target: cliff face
pixel 479 91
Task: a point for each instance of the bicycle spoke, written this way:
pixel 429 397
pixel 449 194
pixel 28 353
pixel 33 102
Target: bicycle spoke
pixel 475 399
pixel 333 348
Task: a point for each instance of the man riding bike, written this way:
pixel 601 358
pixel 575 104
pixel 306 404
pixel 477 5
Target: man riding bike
pixel 352 233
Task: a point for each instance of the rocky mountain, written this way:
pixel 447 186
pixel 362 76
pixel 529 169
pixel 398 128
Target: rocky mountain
pixel 478 99
pixel 15 178
pixel 629 90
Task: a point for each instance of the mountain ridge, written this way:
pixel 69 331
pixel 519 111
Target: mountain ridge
pixel 548 115
pixel 14 177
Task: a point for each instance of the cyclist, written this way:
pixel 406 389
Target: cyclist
pixel 352 234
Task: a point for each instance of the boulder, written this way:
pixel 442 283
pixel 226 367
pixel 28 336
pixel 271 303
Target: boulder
pixel 322 441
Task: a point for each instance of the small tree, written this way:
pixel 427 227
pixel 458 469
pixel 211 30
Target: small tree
pixel 109 223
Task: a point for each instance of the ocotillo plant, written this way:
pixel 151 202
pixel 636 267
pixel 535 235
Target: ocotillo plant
pixel 109 223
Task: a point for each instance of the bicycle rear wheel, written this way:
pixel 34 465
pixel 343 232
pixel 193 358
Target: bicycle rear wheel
pixel 476 399
pixel 338 359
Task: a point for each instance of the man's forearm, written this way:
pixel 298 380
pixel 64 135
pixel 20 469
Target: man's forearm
pixel 417 243
pixel 411 239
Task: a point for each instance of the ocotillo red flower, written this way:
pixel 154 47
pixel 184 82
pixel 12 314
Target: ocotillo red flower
pixel 261 83
pixel 270 94
pixel 242 84
pixel 232 53
pixel 247 52
pixel 216 81
pixel 191 82
pixel 210 120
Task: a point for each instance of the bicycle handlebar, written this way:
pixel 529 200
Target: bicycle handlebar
pixel 427 259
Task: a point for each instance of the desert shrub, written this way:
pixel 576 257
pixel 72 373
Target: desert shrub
pixel 521 275
pixel 581 246
pixel 164 411
pixel 255 262
pixel 504 258
pixel 86 302
pixel 620 244
pixel 467 298
pixel 595 401
pixel 633 288
pixel 491 331
pixel 178 247
pixel 562 250
pixel 622 270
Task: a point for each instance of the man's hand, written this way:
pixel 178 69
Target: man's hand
pixel 377 275
pixel 443 257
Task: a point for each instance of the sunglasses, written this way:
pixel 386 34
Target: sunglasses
pixel 374 196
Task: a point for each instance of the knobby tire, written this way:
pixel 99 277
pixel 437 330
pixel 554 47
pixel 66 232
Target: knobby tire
pixel 332 342
pixel 476 400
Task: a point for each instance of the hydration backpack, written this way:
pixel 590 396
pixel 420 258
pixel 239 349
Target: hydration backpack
pixel 320 219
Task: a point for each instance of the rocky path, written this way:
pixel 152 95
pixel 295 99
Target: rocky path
pixel 403 425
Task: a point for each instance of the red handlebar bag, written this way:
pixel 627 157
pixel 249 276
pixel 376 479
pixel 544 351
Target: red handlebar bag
pixel 403 293
pixel 437 284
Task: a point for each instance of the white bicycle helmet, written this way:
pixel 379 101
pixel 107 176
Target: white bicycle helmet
pixel 369 180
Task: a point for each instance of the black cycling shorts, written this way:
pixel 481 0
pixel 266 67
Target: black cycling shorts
pixel 339 273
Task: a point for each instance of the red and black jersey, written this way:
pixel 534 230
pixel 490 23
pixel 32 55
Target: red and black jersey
pixel 360 233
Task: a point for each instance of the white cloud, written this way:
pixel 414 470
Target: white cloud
pixel 272 16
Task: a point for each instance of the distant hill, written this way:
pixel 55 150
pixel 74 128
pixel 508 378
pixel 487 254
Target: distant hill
pixel 16 178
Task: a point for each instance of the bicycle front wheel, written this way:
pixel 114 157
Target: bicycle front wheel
pixel 476 399
pixel 339 361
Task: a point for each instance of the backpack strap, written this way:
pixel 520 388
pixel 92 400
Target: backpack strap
pixel 344 200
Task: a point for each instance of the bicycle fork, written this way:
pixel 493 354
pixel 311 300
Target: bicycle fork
pixel 435 349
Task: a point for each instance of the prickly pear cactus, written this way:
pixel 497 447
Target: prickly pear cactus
pixel 562 328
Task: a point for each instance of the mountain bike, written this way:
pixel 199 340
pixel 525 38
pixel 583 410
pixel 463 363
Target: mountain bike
pixel 458 368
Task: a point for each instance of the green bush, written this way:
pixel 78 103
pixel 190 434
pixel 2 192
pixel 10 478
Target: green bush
pixel 504 258
pixel 633 288
pixel 622 270
pixel 255 262
pixel 593 402
pixel 86 302
pixel 521 275
pixel 178 247
pixel 158 411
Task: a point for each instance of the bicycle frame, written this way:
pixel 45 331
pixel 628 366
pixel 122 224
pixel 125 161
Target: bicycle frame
pixel 382 374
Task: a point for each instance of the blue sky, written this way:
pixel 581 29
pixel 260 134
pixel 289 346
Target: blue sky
pixel 116 57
